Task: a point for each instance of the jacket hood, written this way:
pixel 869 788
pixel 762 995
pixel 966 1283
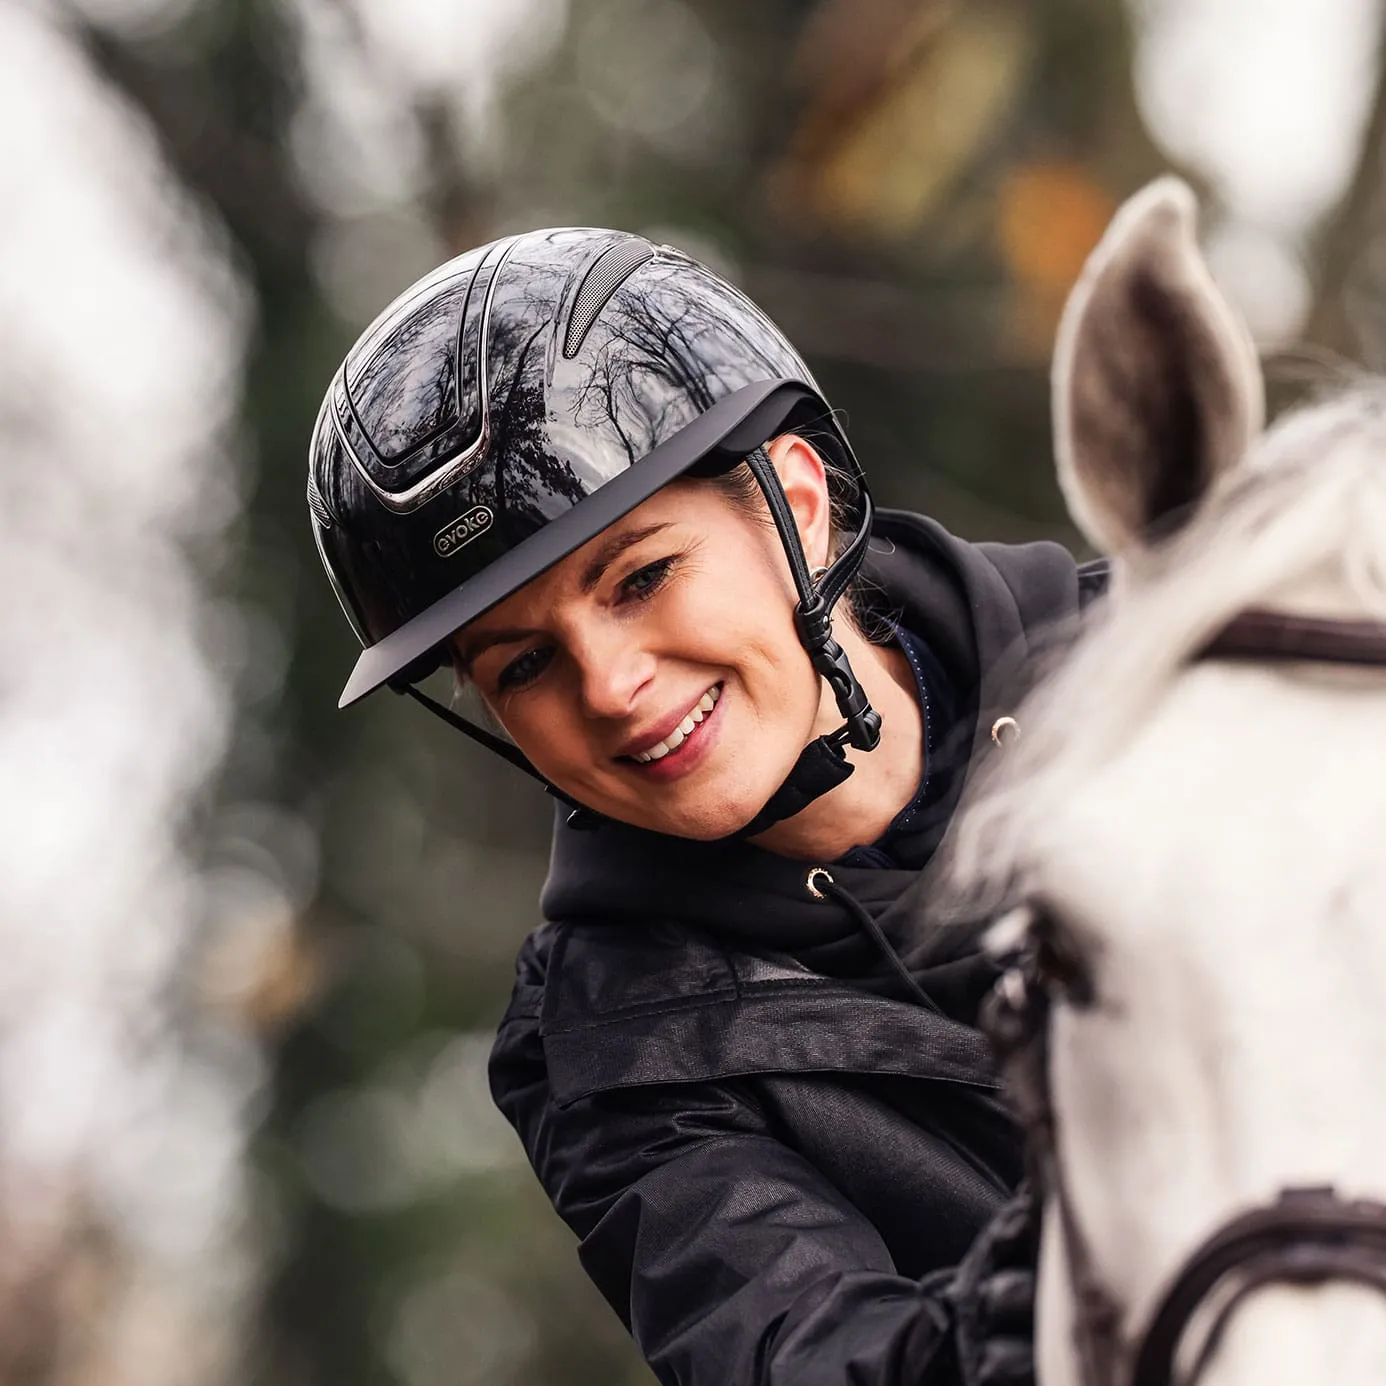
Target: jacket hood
pixel 985 610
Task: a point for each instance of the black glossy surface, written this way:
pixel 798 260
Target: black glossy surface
pixel 546 431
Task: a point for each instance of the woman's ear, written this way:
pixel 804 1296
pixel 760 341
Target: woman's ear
pixel 1157 389
pixel 805 482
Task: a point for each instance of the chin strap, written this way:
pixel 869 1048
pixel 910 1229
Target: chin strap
pixel 821 766
pixel 580 817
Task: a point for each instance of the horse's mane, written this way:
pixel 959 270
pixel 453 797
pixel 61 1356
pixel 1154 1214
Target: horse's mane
pixel 1308 504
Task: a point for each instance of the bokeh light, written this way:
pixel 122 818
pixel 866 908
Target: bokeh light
pixel 1268 99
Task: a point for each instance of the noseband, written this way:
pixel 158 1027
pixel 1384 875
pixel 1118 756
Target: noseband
pixel 1305 1236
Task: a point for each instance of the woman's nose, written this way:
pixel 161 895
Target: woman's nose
pixel 612 669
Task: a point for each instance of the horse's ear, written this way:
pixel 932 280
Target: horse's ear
pixel 1157 387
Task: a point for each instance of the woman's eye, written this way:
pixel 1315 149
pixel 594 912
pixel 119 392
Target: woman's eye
pixel 523 670
pixel 645 582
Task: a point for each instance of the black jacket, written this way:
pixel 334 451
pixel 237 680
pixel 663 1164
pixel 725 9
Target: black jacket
pixel 762 1142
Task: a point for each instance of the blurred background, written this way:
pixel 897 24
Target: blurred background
pixel 254 949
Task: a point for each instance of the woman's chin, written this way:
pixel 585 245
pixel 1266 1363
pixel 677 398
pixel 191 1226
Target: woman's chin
pixel 709 818
pixel 702 807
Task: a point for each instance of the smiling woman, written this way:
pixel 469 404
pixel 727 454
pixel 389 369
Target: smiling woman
pixel 599 481
pixel 651 689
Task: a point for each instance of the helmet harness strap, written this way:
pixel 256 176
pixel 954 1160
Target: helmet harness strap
pixel 813 614
pixel 822 765
pixel 505 749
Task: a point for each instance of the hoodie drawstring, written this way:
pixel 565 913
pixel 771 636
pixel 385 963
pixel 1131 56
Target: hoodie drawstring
pixel 821 885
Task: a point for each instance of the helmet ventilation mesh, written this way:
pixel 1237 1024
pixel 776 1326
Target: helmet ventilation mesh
pixel 612 268
pixel 317 503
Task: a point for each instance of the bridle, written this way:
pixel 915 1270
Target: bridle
pixel 1305 1236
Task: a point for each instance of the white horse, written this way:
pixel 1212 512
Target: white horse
pixel 1203 840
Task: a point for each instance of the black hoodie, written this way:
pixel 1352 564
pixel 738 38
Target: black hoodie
pixel 760 1135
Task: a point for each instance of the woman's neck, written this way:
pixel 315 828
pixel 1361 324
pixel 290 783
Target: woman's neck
pixel 860 809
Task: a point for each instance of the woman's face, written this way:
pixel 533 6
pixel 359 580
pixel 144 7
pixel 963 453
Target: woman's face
pixel 655 674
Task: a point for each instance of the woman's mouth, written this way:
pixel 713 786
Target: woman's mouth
pixel 676 740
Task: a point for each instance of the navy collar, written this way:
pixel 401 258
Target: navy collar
pixel 900 846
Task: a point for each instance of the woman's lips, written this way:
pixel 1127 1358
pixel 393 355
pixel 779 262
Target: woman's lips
pixel 681 749
pixel 692 719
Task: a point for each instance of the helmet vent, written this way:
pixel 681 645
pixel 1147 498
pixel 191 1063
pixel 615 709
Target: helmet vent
pixel 318 505
pixel 612 268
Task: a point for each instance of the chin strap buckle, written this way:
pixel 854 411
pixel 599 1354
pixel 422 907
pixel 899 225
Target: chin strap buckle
pixel 814 624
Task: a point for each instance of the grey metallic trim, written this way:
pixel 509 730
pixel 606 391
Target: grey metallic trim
pixel 406 501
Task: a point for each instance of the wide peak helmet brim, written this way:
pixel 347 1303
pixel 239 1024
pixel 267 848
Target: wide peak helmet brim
pixel 714 442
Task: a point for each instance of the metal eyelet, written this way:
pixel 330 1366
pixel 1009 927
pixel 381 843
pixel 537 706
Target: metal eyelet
pixel 813 874
pixel 1001 727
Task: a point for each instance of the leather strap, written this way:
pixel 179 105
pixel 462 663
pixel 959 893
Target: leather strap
pixel 1275 635
pixel 1306 1237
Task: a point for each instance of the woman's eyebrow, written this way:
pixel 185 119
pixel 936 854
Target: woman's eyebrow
pixel 614 548
pixel 603 559
pixel 472 650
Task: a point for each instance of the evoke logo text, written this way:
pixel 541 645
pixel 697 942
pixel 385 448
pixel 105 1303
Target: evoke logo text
pixel 462 530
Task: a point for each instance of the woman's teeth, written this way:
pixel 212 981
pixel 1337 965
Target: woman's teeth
pixel 675 739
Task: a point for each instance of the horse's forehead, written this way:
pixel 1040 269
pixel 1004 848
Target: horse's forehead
pixel 1246 797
